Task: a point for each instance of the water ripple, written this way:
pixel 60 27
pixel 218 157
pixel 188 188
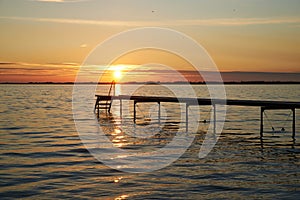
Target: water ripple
pixel 42 156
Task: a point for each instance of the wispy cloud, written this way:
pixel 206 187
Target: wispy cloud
pixel 7 63
pixel 72 21
pixel 36 66
pixel 239 21
pixel 62 72
pixel 59 1
pixel 26 72
pixel 191 22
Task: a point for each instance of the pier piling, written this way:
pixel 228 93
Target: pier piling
pixel 159 112
pixel 294 122
pixel 134 112
pixel 186 117
pixel 263 104
pixel 262 121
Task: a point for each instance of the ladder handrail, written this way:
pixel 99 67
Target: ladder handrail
pixel 98 100
pixel 112 87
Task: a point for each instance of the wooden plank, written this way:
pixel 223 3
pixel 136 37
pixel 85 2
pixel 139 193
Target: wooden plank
pixel 202 101
pixel 263 104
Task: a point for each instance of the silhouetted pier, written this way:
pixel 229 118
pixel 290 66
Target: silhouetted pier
pixel 263 104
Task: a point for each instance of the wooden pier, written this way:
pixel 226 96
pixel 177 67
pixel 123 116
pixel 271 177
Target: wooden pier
pixel 264 105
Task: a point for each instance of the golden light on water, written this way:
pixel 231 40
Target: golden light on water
pixel 122 197
pixel 117 180
pixel 117 131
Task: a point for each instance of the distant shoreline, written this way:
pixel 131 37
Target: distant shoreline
pixel 155 83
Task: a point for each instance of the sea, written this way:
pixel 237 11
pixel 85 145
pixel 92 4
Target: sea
pixel 43 156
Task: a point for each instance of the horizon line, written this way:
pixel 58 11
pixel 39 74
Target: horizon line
pixel 160 82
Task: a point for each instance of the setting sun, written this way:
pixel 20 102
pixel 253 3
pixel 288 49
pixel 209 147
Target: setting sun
pixel 117 71
pixel 117 74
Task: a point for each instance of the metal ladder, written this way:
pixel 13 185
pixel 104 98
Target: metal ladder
pixel 105 104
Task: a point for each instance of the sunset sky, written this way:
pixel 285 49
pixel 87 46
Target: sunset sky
pixel 47 40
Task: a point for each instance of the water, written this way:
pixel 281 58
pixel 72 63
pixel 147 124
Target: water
pixel 42 156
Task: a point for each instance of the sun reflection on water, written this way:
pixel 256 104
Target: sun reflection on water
pixel 118 89
pixel 124 196
pixel 117 180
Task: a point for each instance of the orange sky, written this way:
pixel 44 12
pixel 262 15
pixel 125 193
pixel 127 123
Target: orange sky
pixel 48 40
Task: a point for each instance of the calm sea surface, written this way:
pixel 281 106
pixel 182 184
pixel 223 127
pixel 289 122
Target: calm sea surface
pixel 42 156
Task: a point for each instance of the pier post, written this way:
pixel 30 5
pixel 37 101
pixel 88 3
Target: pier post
pixel 158 112
pixel 261 121
pixel 97 107
pixel 114 88
pixel 121 108
pixel 186 117
pixel 215 118
pixel 134 112
pixel 294 122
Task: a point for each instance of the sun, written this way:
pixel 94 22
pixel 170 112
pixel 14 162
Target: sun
pixel 117 74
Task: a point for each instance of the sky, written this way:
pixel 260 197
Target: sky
pixel 48 40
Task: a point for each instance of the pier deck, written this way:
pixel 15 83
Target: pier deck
pixel 263 104
pixel 205 101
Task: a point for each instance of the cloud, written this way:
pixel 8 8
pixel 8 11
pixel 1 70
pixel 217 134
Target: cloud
pixel 83 46
pixel 14 72
pixel 239 21
pixel 22 66
pixel 63 64
pixel 7 63
pixel 188 22
pixel 59 1
pixel 27 72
